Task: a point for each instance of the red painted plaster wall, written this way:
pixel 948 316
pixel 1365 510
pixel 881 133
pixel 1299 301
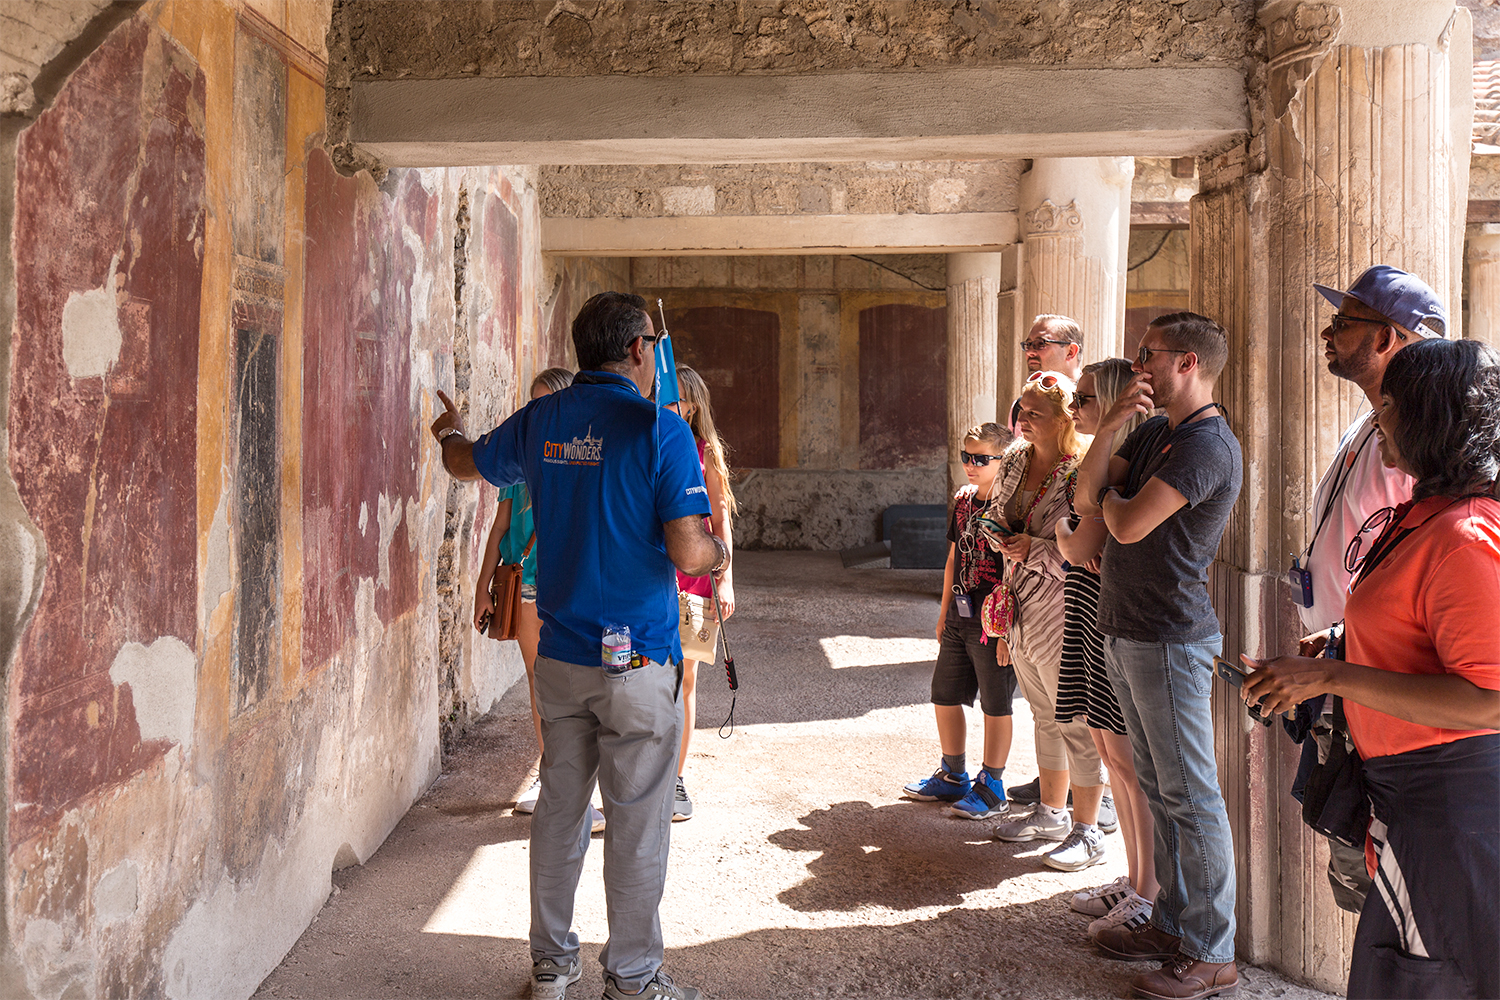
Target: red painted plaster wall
pixel 105 465
pixel 358 439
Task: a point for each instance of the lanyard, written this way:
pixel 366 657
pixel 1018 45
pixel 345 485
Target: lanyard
pixel 1340 481
pixel 1394 535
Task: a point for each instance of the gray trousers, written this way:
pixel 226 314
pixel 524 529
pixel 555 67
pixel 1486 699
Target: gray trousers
pixel 625 732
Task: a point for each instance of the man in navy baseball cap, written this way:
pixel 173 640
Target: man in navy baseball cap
pixel 1403 299
pixel 1382 312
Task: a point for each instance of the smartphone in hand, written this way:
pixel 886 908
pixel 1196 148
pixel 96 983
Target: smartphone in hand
pixel 1232 672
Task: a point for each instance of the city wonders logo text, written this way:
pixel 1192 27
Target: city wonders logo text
pixel 587 450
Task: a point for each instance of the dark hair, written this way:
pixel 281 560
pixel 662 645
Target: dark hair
pixel 1188 331
pixel 605 328
pixel 1447 399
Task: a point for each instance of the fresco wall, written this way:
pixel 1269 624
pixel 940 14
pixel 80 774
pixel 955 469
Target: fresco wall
pixel 250 637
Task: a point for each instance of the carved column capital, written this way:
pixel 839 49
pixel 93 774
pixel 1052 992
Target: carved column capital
pixel 1053 218
pixel 1296 31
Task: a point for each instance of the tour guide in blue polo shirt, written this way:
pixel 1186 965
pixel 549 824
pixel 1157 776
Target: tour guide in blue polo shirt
pixel 619 501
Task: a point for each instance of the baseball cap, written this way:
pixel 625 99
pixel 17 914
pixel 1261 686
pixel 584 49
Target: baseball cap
pixel 1402 298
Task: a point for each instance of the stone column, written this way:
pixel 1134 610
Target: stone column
pixel 1483 259
pixel 1360 157
pixel 975 281
pixel 1076 216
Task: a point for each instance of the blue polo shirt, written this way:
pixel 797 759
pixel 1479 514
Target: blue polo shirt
pixel 605 469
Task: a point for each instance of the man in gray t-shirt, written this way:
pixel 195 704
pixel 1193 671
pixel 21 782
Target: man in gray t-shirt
pixel 1156 590
pixel 1166 496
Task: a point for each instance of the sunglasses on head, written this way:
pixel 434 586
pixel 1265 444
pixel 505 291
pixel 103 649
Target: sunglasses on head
pixel 969 458
pixel 1047 380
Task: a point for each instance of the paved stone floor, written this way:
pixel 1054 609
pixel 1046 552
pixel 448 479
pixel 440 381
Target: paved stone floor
pixel 803 873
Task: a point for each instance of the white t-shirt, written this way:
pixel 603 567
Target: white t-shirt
pixel 1368 487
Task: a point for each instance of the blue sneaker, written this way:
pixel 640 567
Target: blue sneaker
pixel 985 800
pixel 943 786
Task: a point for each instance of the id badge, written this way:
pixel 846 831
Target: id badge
pixel 1301 581
pixel 965 605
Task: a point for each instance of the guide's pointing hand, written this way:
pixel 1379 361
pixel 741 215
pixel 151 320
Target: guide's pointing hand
pixel 448 418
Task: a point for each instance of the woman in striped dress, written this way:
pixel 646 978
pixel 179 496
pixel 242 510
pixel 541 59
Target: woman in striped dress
pixel 1036 479
pixel 1083 688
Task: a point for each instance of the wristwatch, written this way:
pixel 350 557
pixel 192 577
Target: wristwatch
pixel 1100 501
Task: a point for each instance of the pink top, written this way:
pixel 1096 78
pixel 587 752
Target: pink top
pixel 700 586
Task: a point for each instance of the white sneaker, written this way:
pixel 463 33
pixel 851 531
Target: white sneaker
pixel 596 820
pixel 1133 912
pixel 1084 846
pixel 1098 901
pixel 527 802
pixel 1035 825
pixel 550 981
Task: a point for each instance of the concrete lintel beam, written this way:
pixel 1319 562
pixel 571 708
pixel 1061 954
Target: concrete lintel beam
pixel 780 234
pixel 1004 112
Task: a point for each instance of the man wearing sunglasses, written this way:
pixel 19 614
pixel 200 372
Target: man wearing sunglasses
pixel 1385 310
pixel 1054 344
pixel 618 722
pixel 1166 497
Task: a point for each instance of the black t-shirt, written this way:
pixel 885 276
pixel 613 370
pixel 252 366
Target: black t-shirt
pixel 977 569
pixel 1156 589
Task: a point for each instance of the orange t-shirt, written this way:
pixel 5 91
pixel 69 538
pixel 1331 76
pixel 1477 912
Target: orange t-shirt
pixel 1432 606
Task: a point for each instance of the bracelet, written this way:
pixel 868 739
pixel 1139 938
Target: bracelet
pixel 447 432
pixel 723 553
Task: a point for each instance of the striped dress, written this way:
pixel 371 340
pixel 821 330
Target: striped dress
pixel 1082 685
pixel 1038 581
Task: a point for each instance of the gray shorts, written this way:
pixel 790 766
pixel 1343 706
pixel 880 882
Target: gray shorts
pixel 966 666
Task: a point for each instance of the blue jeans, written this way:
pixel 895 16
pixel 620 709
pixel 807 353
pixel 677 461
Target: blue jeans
pixel 1164 688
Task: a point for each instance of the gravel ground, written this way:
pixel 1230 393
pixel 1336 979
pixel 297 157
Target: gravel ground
pixel 803 873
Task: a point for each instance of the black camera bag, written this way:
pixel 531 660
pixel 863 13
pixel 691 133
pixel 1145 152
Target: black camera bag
pixel 1334 802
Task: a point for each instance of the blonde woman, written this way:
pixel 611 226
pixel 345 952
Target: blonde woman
pixel 512 531
pixel 1083 689
pixel 712 455
pixel 1037 478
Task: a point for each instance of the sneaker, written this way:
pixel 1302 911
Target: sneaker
pixel 1133 912
pixel 527 802
pixel 660 985
pixel 1083 846
pixel 1109 820
pixel 1033 826
pixel 596 820
pixel 943 786
pixel 550 981
pixel 682 806
pixel 986 800
pixel 1098 901
pixel 1030 793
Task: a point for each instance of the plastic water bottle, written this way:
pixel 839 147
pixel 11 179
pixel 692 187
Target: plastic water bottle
pixel 616 648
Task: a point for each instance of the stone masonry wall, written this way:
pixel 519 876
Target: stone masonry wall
pixel 780 189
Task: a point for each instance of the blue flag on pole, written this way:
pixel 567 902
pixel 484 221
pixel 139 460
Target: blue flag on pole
pixel 666 365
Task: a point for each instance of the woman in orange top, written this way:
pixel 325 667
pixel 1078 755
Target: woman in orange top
pixel 1421 683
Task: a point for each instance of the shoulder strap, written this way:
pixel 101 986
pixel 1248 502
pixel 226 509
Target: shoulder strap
pixel 527 551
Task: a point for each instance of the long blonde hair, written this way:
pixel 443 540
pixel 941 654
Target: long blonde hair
pixel 1111 376
pixel 1060 395
pixel 694 392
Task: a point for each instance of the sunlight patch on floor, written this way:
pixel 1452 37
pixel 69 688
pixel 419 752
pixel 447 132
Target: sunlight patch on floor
pixel 845 651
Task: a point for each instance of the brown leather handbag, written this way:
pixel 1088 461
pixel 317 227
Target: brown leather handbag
pixel 505 594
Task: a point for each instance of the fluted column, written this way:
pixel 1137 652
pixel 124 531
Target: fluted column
pixel 1076 216
pixel 1360 157
pixel 975 281
pixel 1483 260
